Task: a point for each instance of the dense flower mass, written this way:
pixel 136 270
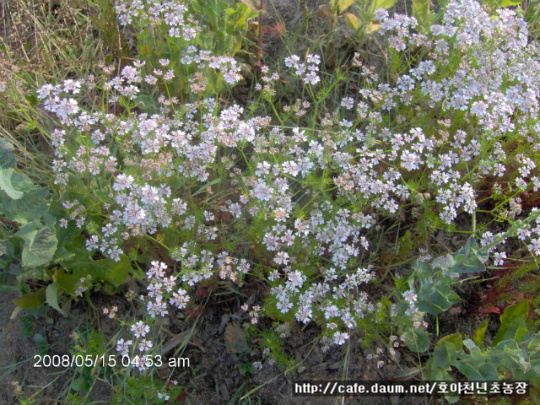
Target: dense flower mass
pixel 430 138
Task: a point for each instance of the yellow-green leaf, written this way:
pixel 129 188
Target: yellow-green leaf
pixel 512 321
pixel 382 4
pixel 372 27
pixel 341 5
pixel 480 332
pixel 420 11
pixel 352 22
pixel 31 301
pixel 508 3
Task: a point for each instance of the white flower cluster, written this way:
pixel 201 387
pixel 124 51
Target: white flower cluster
pixel 430 136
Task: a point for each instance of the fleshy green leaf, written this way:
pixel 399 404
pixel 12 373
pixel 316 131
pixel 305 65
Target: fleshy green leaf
pixel 436 297
pixel 443 262
pixel 27 209
pixel 478 372
pixel 446 350
pixel 417 340
pixel 40 244
pixel 51 296
pixel 14 184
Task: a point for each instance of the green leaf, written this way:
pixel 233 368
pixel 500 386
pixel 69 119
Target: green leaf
pixel 105 270
pixel 469 259
pixel 445 354
pixel 443 262
pixel 29 208
pixel 41 343
pixel 480 332
pixel 447 349
pixel 509 3
pixel 7 159
pixel 341 5
pixel 382 4
pixel 69 282
pixel 31 301
pixel 417 339
pixel 437 297
pixel 475 352
pixel 40 244
pixel 81 384
pixel 215 181
pixel 14 184
pixel 511 326
pixel 478 372
pixel 421 11
pixel 51 296
pixel 534 343
pixel 6 248
pixel 454 338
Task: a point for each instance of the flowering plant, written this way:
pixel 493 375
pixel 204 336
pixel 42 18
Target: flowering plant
pixel 463 117
pixel 159 178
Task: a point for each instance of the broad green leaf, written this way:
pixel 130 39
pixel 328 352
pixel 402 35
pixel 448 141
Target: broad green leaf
pixel 477 371
pixel 422 269
pixel 14 184
pixel 437 297
pixel 6 248
pixel 40 244
pixel 209 184
pixel 31 301
pixel 27 209
pixel 105 270
pixel 454 338
pixel 509 324
pixel 382 4
pixel 446 350
pixel 443 262
pixel 534 343
pixel 7 159
pixel 51 296
pixel 445 354
pixel 516 331
pixel 417 340
pixel 474 350
pixel 69 282
pixel 470 265
pixel 480 332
